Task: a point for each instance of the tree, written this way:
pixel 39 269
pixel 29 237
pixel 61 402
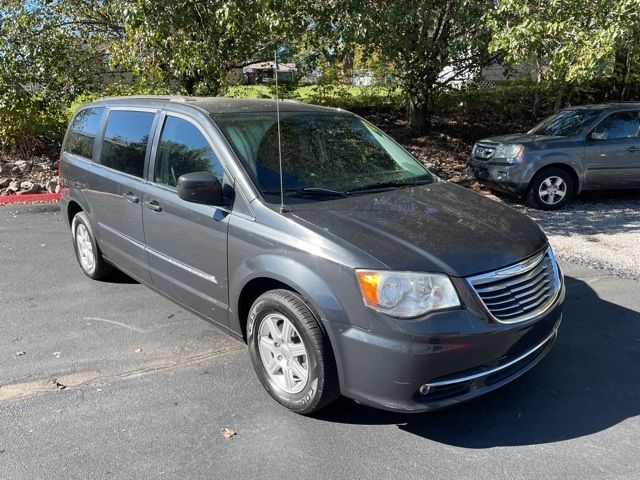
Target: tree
pixel 51 52
pixel 196 43
pixel 572 42
pixel 427 44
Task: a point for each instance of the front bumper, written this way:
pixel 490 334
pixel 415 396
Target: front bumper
pixel 441 360
pixel 505 178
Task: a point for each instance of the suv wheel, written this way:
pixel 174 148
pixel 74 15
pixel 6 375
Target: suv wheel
pixel 290 353
pixel 551 189
pixel 86 248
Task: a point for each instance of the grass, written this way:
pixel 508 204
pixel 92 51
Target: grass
pixel 333 95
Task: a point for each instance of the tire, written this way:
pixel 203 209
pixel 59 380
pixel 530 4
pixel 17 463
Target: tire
pixel 270 346
pixel 87 250
pixel 556 182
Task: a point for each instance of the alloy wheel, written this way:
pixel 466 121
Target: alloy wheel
pixel 283 353
pixel 85 248
pixel 552 190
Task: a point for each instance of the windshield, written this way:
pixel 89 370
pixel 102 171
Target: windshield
pixel 321 153
pixel 565 123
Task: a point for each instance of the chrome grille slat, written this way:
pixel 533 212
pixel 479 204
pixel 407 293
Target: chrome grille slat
pixel 524 300
pixel 515 291
pixel 519 292
pixel 515 281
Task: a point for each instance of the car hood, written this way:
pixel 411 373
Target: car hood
pixel 517 138
pixel 439 227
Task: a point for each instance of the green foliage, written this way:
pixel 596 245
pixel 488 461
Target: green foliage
pixel 575 42
pixel 429 43
pixel 51 52
pixel 196 43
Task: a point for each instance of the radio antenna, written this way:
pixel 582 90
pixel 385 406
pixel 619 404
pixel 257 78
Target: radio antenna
pixel 283 207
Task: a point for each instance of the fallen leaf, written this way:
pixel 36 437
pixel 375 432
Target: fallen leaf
pixel 20 353
pixel 58 385
pixel 228 432
pixel 56 354
pixel 233 414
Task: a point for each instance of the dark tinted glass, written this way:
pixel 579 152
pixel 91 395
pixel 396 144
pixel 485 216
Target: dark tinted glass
pixel 125 141
pixel 565 123
pixel 619 125
pixel 183 149
pixel 82 133
pixel 337 152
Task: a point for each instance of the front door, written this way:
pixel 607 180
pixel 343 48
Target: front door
pixel 186 242
pixel 117 188
pixel 612 152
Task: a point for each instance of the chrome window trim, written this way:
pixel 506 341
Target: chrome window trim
pixel 518 269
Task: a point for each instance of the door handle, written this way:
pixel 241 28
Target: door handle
pixel 633 149
pixel 153 205
pixel 131 197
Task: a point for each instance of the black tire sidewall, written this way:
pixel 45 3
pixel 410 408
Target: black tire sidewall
pixel 308 397
pixel 534 196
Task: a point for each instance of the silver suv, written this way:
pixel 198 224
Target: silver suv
pixel 579 148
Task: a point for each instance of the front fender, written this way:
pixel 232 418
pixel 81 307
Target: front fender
pixel 555 158
pixel 293 273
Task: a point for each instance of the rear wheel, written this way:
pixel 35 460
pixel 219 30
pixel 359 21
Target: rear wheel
pixel 290 353
pixel 87 251
pixel 551 189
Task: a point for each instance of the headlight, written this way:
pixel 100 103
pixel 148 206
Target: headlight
pixel 406 294
pixel 509 153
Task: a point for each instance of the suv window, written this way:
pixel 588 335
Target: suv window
pixel 619 125
pixel 183 149
pixel 83 130
pixel 565 123
pixel 125 141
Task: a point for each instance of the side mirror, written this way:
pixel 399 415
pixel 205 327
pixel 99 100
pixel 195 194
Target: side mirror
pixel 200 187
pixel 599 136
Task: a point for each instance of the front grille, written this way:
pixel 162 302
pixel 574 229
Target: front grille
pixel 522 291
pixel 483 151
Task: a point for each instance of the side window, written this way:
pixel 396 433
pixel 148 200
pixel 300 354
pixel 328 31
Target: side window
pixel 183 149
pixel 125 141
pixel 619 125
pixel 83 130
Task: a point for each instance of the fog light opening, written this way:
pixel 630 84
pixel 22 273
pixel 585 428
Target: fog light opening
pixel 424 389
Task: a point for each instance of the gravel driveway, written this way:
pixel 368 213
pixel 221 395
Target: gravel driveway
pixel 600 230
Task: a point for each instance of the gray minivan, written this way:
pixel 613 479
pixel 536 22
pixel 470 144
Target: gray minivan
pixel 346 266
pixel 590 147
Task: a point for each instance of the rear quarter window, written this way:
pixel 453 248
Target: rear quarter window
pixel 82 132
pixel 125 141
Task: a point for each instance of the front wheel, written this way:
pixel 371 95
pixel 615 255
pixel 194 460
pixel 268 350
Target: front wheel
pixel 290 352
pixel 551 189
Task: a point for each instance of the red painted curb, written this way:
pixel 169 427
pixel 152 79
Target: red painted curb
pixel 31 198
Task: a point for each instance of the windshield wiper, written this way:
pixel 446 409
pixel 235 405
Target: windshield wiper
pixel 307 191
pixel 387 184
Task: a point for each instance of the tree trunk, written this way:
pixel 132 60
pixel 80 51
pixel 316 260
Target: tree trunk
pixel 561 91
pixel 420 116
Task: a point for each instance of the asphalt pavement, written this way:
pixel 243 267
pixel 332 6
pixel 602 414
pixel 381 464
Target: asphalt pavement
pixel 110 380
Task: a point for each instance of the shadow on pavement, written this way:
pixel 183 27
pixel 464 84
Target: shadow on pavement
pixel 589 382
pixel 119 277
